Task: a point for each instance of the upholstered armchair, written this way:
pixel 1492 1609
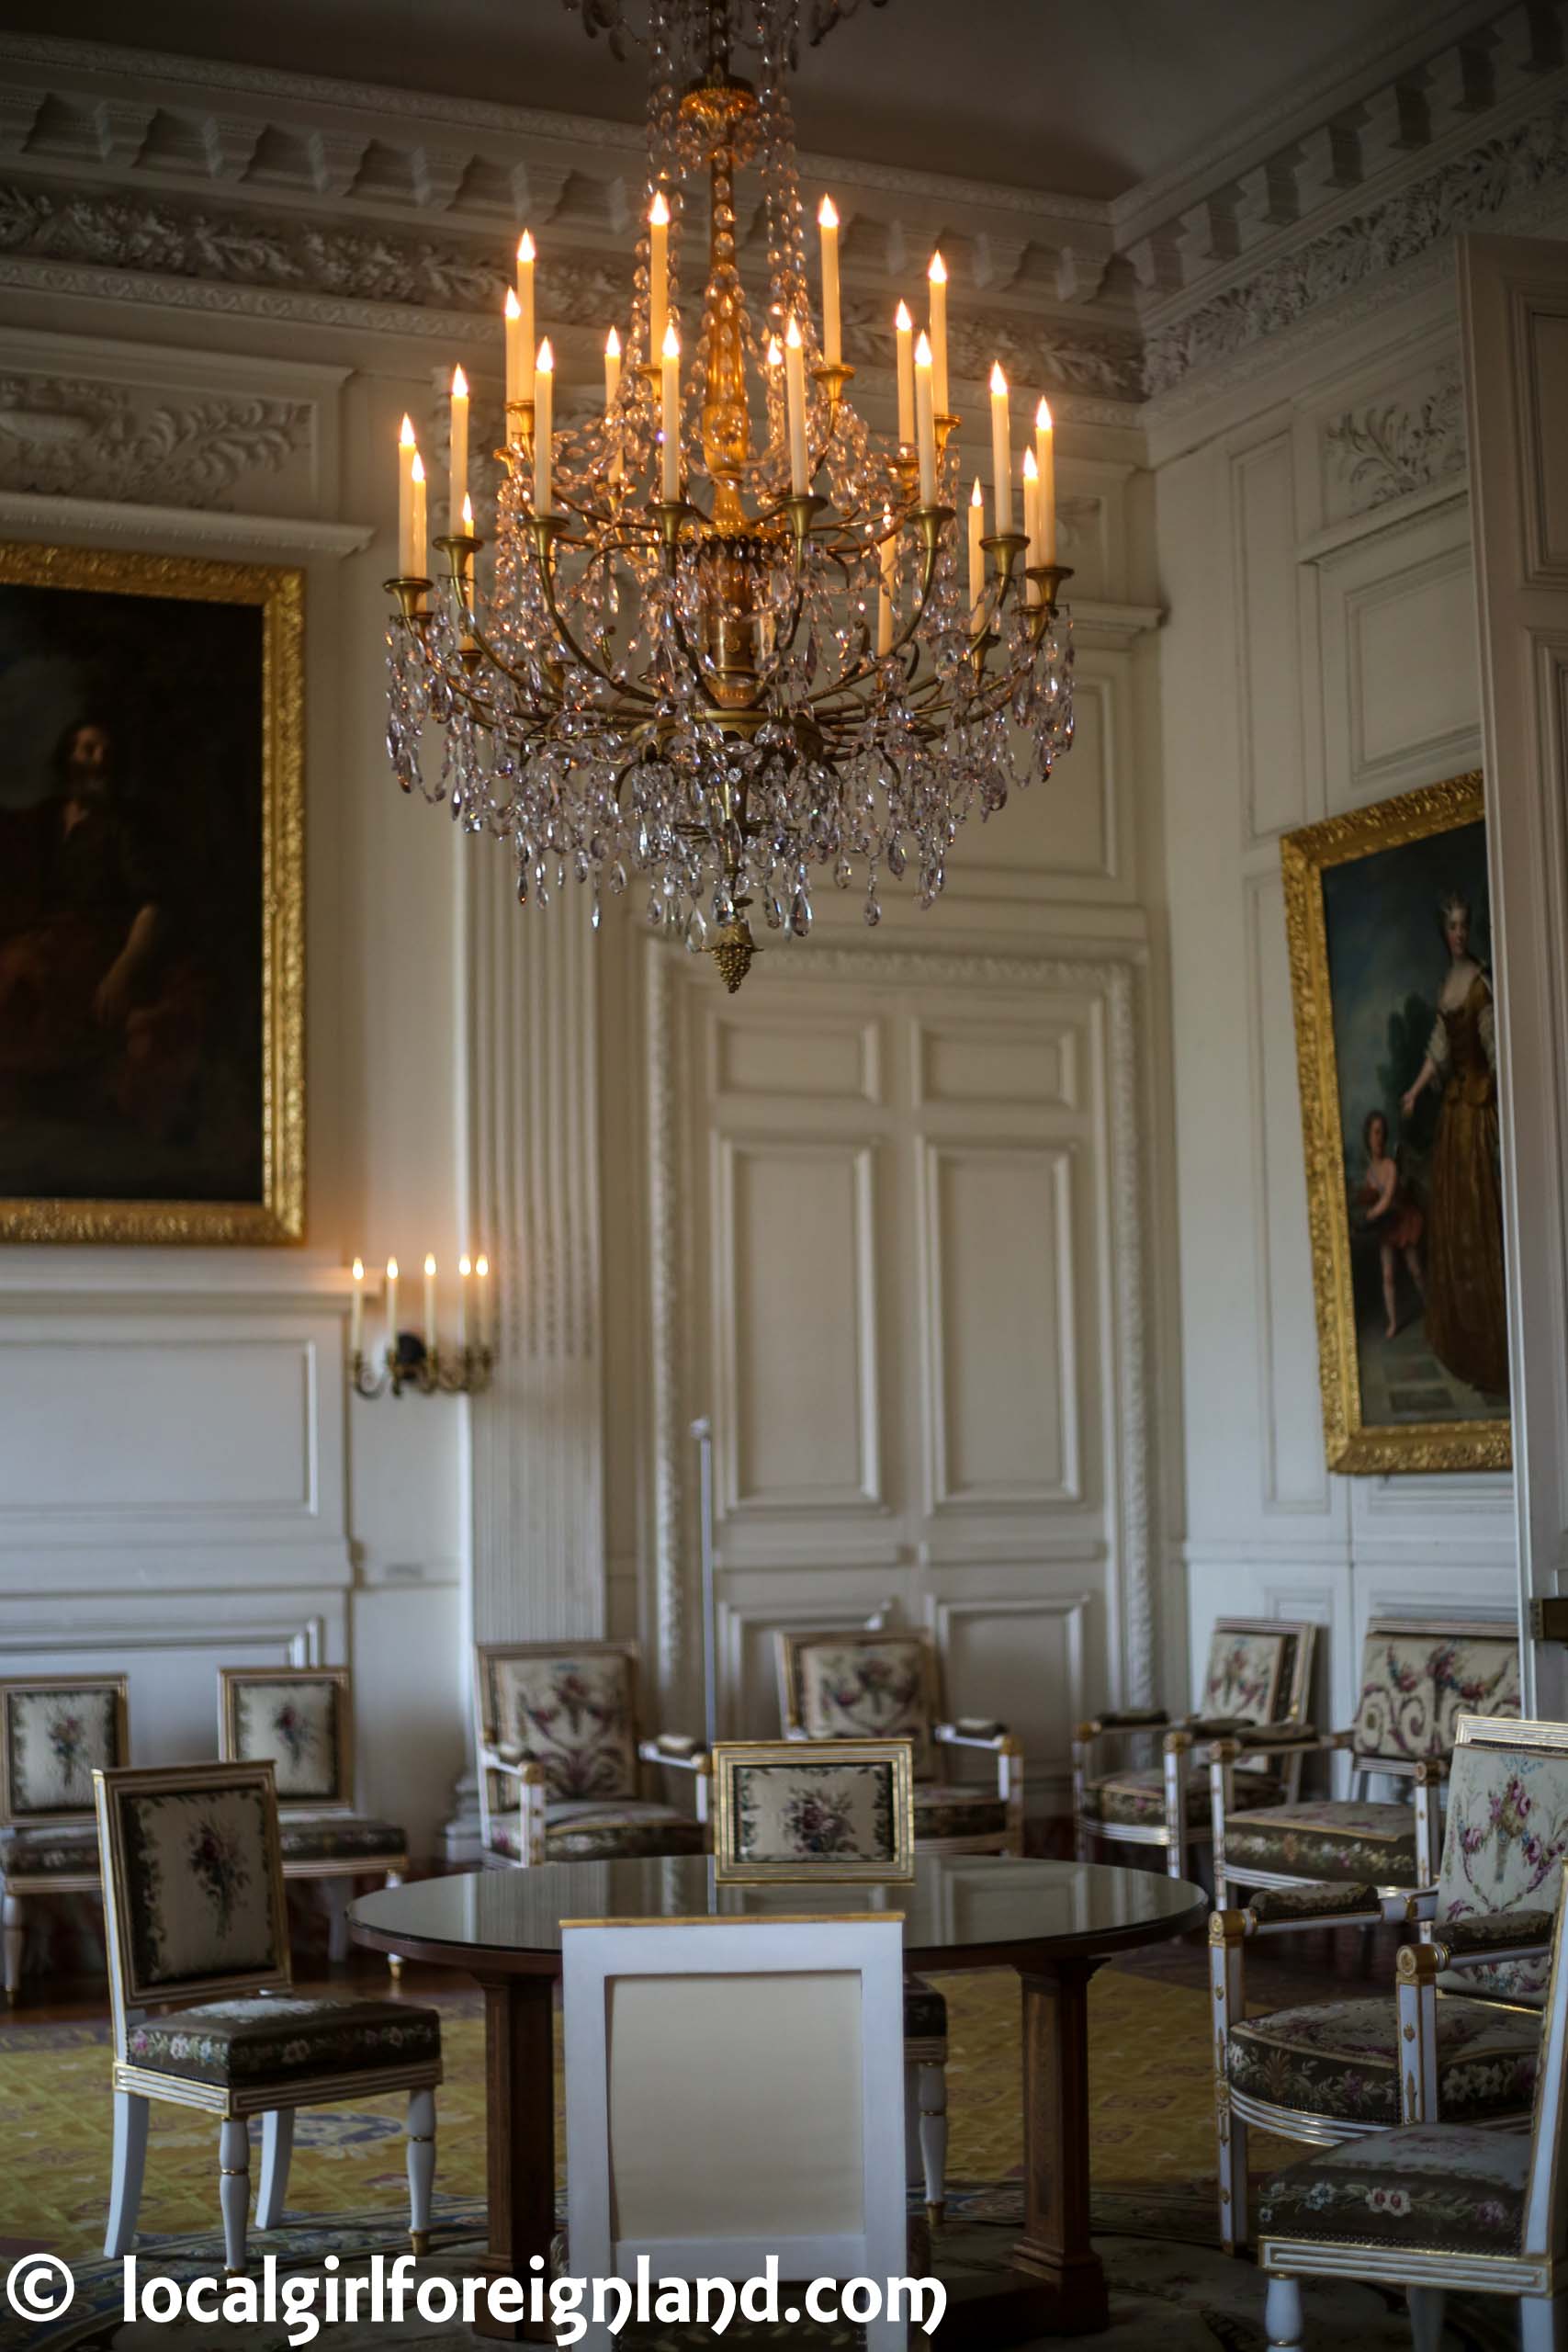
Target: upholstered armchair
pixel 300 1719
pixel 199 1992
pixel 1462 2039
pixel 1258 1672
pixel 55 1732
pixel 565 1775
pixel 1436 2206
pixel 1417 1678
pixel 841 1810
pixel 876 1683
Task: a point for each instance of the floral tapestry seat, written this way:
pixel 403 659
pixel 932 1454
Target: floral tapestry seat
pixel 1322 1841
pixel 562 1764
pixel 1428 2183
pixel 61 1852
pixel 1340 2060
pixel 277 2041
pixel 1137 1795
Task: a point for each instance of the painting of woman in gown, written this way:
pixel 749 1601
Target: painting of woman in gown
pixel 148 817
pixel 1467 1314
pixel 1397 1063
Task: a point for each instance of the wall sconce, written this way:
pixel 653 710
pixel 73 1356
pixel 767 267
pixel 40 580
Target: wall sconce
pixel 416 1359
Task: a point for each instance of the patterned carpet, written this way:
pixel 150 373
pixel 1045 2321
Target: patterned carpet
pixel 1153 2165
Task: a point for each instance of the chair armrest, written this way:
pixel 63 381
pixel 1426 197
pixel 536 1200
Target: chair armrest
pixel 515 1762
pixel 1123 1718
pixel 677 1748
pixel 1492 1936
pixel 973 1731
pixel 1431 1772
pixel 1292 1740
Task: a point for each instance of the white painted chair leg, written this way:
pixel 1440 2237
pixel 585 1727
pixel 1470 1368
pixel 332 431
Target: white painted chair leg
pixel 1543 2322
pixel 15 1934
pixel 394 1959
pixel 422 2166
pixel 130 2117
pixel 234 2189
pixel 338 1891
pixel 1425 2318
pixel 931 2100
pixel 278 2147
pixel 1282 2316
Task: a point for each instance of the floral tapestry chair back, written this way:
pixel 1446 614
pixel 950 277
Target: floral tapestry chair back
pixel 1504 1844
pixel 572 1711
pixel 193 1883
pixel 298 1719
pixel 1418 1679
pixel 849 1684
pixel 55 1733
pixel 1256 1674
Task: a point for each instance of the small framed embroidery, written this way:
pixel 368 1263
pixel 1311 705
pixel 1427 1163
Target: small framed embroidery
pixel 814 1809
pixel 1389 931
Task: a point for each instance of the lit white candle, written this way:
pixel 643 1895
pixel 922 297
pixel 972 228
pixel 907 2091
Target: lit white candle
pixel 833 332
pixel 429 1304
pixel 1045 458
pixel 356 1311
pixel 469 559
pixel 465 1270
pixel 392 1304
pixel 977 558
pixel 888 557
pixel 407 454
pixel 612 386
pixel 459 452
pixel 925 422
pixel 525 330
pixel 905 327
pixel 670 366
pixel 794 397
pixel 657 272
pixel 1001 453
pixel 937 278
pixel 1032 515
pixel 420 541
pixel 484 1308
pixel 512 311
pixel 543 427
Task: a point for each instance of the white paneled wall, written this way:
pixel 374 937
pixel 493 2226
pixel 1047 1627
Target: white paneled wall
pixel 900 1288
pixel 1318 554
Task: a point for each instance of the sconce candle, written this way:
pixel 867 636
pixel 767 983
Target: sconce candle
pixel 976 559
pixel 1032 514
pixel 904 328
pixel 670 385
pixel 937 280
pixel 356 1310
pixel 1045 458
pixel 420 543
pixel 525 317
pixel 464 1269
pixel 544 428
pixel 429 1304
pixel 1001 454
pixel 514 314
pixel 657 274
pixel 408 454
pixel 794 395
pixel 392 1304
pixel 925 422
pixel 833 343
pixel 459 452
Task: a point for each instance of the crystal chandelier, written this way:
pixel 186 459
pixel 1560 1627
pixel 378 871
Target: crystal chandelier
pixel 727 641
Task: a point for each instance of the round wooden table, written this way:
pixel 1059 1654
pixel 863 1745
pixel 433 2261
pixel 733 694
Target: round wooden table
pixel 1053 1922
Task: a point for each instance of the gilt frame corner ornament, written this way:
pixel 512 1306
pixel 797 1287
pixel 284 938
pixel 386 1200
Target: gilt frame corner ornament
pixel 1353 1444
pixel 273 1210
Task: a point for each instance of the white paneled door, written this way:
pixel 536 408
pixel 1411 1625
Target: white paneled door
pixel 1514 295
pixel 898 1262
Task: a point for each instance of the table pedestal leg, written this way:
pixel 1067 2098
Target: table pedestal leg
pixel 520 2140
pixel 1056 2242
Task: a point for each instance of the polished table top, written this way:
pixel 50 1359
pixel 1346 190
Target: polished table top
pixel 960 1909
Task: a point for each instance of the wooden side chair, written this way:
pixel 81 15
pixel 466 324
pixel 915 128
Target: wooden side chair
pixel 735 2090
pixel 844 1810
pixel 886 1683
pixel 1463 2040
pixel 55 1732
pixel 565 1774
pixel 300 1719
pixel 1418 1677
pixel 1258 1672
pixel 1435 2206
pixel 193 1885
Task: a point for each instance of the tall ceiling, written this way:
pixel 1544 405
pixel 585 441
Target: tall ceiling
pixel 1079 97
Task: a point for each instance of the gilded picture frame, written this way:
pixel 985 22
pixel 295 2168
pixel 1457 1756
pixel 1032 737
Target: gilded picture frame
pixel 886 1763
pixel 155 754
pixel 1410 1396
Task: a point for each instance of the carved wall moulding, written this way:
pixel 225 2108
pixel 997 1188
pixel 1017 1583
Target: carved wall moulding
pixel 80 439
pixel 1388 448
